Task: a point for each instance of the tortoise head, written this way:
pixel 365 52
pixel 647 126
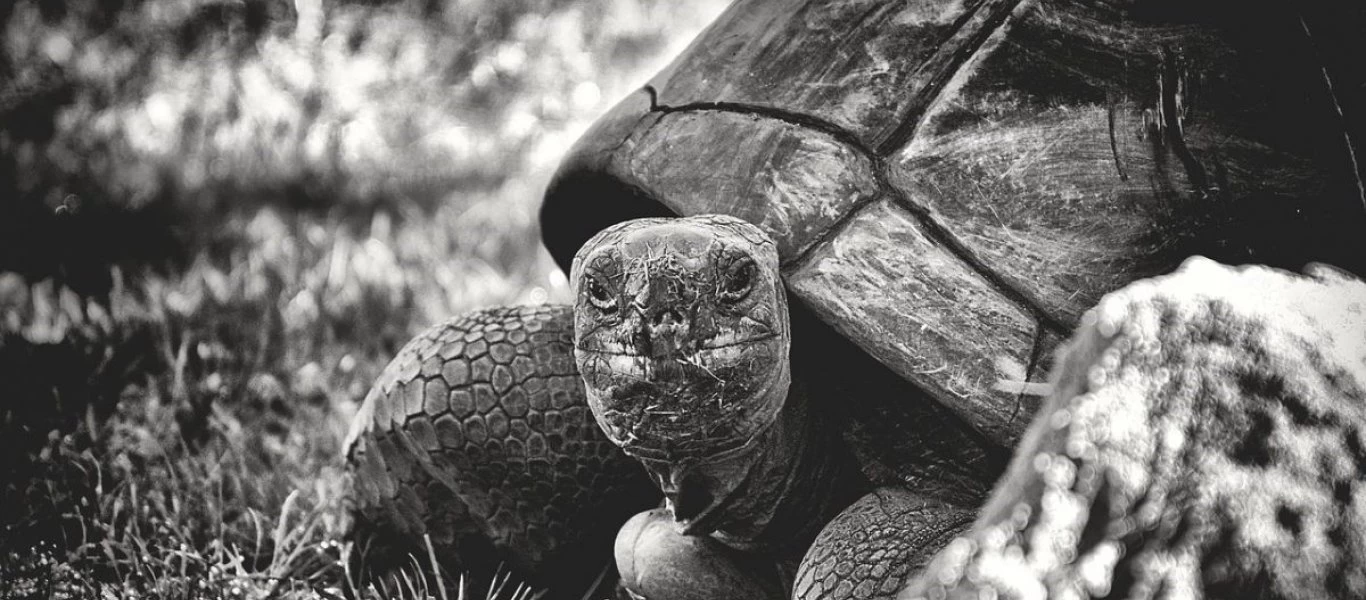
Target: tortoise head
pixel 681 335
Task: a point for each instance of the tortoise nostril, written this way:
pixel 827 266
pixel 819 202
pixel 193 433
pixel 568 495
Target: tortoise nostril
pixel 665 332
pixel 666 317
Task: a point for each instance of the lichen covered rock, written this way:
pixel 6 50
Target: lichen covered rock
pixel 1205 437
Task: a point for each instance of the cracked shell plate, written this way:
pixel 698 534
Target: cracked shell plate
pixel 952 183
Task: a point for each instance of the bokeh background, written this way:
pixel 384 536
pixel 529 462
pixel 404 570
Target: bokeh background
pixel 219 219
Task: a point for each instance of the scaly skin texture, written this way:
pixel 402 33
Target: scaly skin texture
pixel 870 548
pixel 478 435
pixel 681 334
pixel 682 337
pixel 1205 438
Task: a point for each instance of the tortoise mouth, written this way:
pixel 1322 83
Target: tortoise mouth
pixel 714 348
pixel 625 359
pixel 692 405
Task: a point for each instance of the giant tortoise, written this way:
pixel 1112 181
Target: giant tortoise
pixel 896 211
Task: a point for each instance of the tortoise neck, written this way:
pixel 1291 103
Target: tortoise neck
pixel 774 495
pixel 801 476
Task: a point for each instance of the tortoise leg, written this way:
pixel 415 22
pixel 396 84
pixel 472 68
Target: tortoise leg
pixel 1204 438
pixel 870 548
pixel 659 563
pixel 478 435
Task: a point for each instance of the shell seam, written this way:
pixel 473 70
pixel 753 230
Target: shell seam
pixel 880 167
pixel 804 121
pixel 1035 357
pixel 937 232
pixel 830 128
pixel 881 178
pixel 916 110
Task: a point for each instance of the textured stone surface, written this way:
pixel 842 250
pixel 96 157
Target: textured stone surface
pixel 1204 439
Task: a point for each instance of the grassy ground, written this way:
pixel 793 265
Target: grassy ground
pixel 226 217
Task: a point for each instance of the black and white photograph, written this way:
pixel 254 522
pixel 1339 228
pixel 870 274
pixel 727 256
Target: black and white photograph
pixel 683 300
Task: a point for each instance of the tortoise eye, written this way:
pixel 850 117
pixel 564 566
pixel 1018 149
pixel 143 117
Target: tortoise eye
pixel 599 297
pixel 737 282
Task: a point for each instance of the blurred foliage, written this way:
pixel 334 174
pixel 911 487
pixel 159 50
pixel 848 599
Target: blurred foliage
pixel 219 219
pixel 170 109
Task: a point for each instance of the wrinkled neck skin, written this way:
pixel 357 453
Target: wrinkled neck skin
pixel 771 496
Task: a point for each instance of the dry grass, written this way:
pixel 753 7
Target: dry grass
pixel 173 429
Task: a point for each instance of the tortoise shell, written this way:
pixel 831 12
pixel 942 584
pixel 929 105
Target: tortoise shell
pixel 951 183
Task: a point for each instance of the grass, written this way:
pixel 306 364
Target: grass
pixel 243 209
pixel 216 468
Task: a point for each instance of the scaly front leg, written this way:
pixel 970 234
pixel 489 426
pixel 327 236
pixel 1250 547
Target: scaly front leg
pixel 479 437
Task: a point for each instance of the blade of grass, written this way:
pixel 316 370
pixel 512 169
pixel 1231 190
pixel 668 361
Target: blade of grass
pixel 436 568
